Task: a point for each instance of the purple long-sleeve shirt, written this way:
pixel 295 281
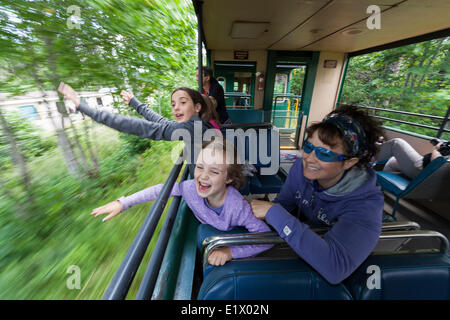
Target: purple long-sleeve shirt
pixel 236 212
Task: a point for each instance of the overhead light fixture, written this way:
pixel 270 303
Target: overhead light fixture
pixel 352 32
pixel 248 29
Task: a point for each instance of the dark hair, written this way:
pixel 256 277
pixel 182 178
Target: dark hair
pixel 206 71
pixel 329 134
pixel 210 112
pixel 196 98
pixel 234 169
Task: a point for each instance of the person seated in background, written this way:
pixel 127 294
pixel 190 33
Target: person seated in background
pixel 211 87
pixel 404 159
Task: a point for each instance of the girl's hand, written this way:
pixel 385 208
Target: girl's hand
pixel 220 256
pixel 113 208
pixel 69 93
pixel 260 208
pixel 126 96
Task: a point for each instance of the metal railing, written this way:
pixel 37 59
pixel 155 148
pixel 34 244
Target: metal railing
pixel 237 97
pixel 290 116
pixel 213 242
pixel 121 282
pixel 440 130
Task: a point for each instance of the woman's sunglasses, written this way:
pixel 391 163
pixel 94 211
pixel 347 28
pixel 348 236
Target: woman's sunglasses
pixel 322 153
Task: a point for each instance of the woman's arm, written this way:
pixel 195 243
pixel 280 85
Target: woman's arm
pixel 342 249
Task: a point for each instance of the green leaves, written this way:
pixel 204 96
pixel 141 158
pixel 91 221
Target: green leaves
pixel 411 78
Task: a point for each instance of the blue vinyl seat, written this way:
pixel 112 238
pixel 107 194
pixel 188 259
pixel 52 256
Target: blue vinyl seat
pixel 424 276
pixel 401 186
pixel 285 279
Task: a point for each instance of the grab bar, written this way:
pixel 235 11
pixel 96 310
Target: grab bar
pixel 273 238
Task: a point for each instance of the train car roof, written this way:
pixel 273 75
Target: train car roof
pixel 317 25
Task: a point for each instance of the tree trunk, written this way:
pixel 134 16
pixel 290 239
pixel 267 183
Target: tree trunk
pixel 18 159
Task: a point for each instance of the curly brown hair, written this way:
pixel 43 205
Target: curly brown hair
pixel 330 134
pixel 234 168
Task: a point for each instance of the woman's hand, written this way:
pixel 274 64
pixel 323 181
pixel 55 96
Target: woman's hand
pixel 220 256
pixel 260 208
pixel 69 93
pixel 113 208
pixel 126 96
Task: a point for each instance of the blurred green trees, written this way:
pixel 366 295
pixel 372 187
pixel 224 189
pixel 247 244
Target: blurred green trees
pixel 147 46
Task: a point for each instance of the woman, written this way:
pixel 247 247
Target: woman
pixel 333 186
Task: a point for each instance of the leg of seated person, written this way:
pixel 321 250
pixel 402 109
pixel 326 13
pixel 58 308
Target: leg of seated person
pixel 408 160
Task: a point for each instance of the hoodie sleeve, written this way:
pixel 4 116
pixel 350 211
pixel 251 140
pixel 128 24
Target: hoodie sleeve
pixel 286 197
pixel 146 112
pixel 342 249
pixel 131 125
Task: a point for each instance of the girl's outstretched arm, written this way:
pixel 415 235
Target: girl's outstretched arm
pixel 131 125
pixel 113 208
pixel 146 112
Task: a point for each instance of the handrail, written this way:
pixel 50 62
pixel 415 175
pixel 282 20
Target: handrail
pixel 273 238
pixel 151 274
pixel 120 284
pixel 386 226
pixel 440 129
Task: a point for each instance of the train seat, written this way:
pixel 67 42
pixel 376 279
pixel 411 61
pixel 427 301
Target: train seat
pixel 238 115
pixel 266 160
pixel 401 187
pixel 423 276
pixel 252 279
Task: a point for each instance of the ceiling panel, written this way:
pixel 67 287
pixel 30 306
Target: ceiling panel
pixel 318 24
pixel 396 23
pixel 284 15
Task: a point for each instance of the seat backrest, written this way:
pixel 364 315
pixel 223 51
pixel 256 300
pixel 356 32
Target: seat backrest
pixel 432 182
pixel 259 145
pixel 287 279
pixel 402 277
pixel 245 115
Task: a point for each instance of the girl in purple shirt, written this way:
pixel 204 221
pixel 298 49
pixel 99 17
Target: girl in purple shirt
pixel 213 197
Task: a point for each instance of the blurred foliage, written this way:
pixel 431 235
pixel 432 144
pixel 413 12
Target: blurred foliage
pixel 412 78
pixel 29 138
pixel 36 252
pixel 148 46
pixel 145 45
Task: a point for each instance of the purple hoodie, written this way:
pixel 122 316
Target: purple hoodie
pixel 236 212
pixel 352 209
